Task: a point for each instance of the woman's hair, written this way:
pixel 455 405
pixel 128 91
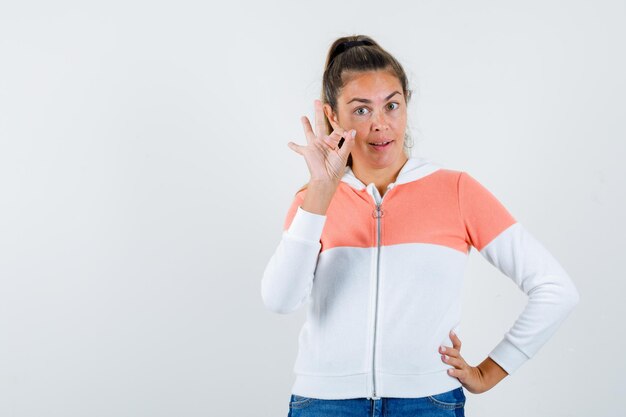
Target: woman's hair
pixel 345 59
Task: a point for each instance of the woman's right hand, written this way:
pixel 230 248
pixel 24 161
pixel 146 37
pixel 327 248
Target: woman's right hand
pixel 326 161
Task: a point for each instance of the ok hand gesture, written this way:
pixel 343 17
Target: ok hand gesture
pixel 325 159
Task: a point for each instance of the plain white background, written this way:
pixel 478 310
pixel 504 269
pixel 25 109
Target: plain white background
pixel 145 176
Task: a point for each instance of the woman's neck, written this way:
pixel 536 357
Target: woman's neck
pixel 381 177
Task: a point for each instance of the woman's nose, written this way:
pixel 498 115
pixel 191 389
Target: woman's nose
pixel 380 121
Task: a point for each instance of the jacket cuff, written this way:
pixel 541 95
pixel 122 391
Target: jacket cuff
pixel 306 225
pixel 509 357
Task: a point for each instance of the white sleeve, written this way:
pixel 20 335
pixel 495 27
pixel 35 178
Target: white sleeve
pixel 507 245
pixel 288 277
pixel 551 294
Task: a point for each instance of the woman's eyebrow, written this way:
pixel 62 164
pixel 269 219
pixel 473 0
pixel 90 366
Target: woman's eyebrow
pixel 364 100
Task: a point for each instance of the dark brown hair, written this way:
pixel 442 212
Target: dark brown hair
pixel 343 60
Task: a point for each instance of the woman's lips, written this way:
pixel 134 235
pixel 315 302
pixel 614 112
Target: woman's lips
pixel 381 144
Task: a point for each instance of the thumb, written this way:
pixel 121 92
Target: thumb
pixel 348 144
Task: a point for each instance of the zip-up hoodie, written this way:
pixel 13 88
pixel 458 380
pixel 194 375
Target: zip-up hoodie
pixel 382 280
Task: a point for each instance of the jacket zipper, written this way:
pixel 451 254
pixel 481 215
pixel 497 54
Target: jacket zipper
pixel 377 214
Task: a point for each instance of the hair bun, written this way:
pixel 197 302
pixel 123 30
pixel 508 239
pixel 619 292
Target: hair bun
pixel 344 46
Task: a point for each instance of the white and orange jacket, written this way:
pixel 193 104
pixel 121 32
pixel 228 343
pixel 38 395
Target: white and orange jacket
pixel 382 280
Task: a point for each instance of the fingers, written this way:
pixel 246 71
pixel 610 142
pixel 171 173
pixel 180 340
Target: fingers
pixel 348 144
pixel 321 136
pixel 308 130
pixel 449 351
pixel 452 356
pixel 460 374
pixel 296 148
pixel 320 125
pixel 333 140
pixel 455 350
pixel 456 342
pixel 311 137
pixel 456 362
pixel 320 121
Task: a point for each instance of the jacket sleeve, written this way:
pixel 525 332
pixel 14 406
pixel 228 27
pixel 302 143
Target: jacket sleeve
pixel 288 277
pixel 507 245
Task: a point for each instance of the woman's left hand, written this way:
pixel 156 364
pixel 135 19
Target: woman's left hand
pixel 471 377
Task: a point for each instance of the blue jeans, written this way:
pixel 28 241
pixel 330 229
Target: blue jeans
pixel 449 403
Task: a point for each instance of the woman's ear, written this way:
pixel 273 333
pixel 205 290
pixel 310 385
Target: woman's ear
pixel 331 116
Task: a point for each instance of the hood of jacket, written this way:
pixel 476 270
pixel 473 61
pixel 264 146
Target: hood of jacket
pixel 414 168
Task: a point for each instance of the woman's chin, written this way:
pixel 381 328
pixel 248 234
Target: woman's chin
pixel 381 158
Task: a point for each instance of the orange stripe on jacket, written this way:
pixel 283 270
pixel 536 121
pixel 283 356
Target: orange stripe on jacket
pixel 425 211
pixel 484 216
pixel 448 208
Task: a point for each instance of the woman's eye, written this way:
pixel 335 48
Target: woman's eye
pixel 362 110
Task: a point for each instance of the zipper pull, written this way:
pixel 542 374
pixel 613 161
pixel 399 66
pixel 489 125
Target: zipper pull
pixel 378 212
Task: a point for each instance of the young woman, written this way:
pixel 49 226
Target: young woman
pixel 376 245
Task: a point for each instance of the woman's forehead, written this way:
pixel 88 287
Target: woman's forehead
pixel 370 86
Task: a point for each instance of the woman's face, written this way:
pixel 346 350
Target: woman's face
pixel 373 103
